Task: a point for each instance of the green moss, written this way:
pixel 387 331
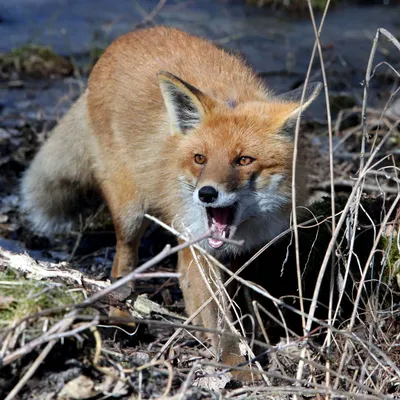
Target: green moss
pixel 389 246
pixel 34 60
pixel 23 297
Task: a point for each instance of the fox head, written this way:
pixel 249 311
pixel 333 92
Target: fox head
pixel 234 161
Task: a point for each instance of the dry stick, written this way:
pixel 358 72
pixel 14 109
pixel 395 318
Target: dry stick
pixel 335 234
pixel 360 189
pixel 361 283
pixel 60 327
pixel 331 171
pixel 364 135
pixel 287 391
pixel 150 17
pixel 294 214
pixel 220 306
pixel 188 380
pixel 282 323
pixel 170 374
pixel 273 358
pixel 368 75
pixel 381 173
pixel 276 300
pixel 356 188
pixel 156 10
pixel 223 292
pixel 36 342
pixel 213 294
pixel 55 333
pixel 350 251
pixel 32 369
pixel 166 252
pixel 366 187
pixel 374 394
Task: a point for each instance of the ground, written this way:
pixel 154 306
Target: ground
pixel 48 51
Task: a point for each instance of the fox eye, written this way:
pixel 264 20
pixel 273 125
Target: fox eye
pixel 245 160
pixel 199 159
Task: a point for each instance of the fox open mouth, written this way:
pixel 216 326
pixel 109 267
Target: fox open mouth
pixel 220 221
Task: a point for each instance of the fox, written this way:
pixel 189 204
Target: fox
pixel 174 126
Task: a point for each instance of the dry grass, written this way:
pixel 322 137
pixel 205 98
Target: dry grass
pixel 34 60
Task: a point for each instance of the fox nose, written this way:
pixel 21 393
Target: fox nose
pixel 208 194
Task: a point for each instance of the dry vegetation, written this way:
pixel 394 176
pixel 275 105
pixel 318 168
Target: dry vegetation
pixel 322 320
pixel 35 61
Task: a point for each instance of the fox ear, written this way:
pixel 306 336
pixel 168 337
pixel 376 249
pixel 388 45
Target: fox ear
pixel 186 105
pixel 294 97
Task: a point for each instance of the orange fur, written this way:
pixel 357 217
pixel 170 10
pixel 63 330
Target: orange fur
pixel 155 99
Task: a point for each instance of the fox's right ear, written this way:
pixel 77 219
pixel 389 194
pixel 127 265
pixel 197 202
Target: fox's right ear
pixel 186 105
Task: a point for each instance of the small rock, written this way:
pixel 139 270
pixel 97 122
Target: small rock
pixel 141 357
pixel 215 383
pixel 79 388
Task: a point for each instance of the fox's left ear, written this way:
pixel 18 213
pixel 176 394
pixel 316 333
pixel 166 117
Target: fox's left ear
pixel 186 105
pixel 294 98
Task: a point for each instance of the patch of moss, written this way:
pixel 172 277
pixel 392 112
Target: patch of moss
pixel 392 257
pixel 22 297
pixel 35 61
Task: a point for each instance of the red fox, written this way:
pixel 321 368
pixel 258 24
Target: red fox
pixel 173 126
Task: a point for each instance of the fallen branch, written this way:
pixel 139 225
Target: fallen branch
pixel 367 187
pixel 64 273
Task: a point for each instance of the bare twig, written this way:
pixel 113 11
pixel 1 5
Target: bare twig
pixel 349 183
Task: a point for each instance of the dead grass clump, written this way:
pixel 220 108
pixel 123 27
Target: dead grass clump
pixel 35 61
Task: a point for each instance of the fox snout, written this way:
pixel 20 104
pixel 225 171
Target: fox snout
pixel 208 194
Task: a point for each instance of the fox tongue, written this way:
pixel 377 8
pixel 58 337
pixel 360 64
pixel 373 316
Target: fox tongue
pixel 219 225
